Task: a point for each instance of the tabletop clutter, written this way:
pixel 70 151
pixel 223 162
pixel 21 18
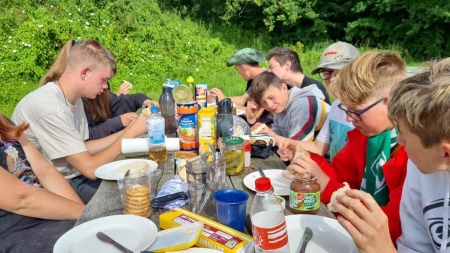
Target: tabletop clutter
pixel 212 144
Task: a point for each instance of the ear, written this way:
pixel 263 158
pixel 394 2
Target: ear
pixel 445 151
pixel 284 87
pixel 84 72
pixel 287 65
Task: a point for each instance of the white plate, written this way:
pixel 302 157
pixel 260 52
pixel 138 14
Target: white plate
pixel 328 234
pixel 110 171
pixel 240 112
pixel 196 250
pixel 134 232
pixel 280 184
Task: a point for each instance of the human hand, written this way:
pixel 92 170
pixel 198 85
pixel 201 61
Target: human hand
pixel 251 111
pixel 127 118
pixel 215 92
pixel 264 130
pixel 365 221
pixel 124 88
pixel 138 126
pixel 303 164
pixel 288 147
pixel 149 103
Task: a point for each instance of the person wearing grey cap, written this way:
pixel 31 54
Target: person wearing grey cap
pixel 246 61
pixel 333 135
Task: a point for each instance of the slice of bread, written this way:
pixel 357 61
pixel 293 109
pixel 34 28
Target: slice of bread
pixel 134 167
pixel 338 192
pixel 258 129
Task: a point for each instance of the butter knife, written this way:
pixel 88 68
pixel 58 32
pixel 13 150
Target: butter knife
pixel 104 238
pixel 307 235
pixel 261 172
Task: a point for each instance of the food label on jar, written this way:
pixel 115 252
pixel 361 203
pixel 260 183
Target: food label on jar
pixel 304 201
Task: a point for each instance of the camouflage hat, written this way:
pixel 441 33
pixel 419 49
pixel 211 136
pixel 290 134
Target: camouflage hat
pixel 336 55
pixel 244 56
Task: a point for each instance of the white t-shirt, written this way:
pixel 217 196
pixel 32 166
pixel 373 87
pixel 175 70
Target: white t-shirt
pixel 334 130
pixel 57 128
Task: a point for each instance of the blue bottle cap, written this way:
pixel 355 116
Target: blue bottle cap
pixel 154 108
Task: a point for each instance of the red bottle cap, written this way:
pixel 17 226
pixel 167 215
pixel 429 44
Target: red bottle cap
pixel 263 184
pixel 248 147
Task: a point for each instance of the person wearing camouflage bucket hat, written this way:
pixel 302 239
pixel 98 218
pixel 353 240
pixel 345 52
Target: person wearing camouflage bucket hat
pixel 333 58
pixel 246 56
pixel 247 63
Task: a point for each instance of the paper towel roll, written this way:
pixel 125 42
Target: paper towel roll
pixel 141 145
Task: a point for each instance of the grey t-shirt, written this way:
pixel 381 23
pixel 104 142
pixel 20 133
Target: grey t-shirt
pixel 57 128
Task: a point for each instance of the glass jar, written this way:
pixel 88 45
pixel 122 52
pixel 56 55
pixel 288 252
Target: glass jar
pixel 304 197
pixel 233 149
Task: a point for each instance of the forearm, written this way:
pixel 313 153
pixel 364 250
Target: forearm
pixel 54 182
pixel 315 146
pixel 239 100
pixel 96 146
pixel 40 203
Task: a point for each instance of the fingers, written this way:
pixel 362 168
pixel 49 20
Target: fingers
pixel 288 175
pixel 256 125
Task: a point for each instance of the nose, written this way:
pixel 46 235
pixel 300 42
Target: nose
pixel 348 118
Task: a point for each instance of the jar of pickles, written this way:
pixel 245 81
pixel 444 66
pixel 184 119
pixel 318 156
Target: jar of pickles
pixel 233 149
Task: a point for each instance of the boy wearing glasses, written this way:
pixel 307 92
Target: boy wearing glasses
pixel 333 135
pixel 420 106
pixel 371 160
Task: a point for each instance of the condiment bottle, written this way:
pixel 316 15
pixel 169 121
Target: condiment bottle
pixel 304 196
pixel 268 221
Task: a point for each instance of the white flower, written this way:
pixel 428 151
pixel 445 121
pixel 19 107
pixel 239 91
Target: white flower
pixel 153 41
pixel 197 69
pixel 92 14
pixel 87 23
pixel 5 46
pixel 189 42
pixel 70 20
pixel 14 51
pixel 9 41
pixel 23 43
pixel 78 9
pixel 186 56
pixel 23 11
pixel 131 73
pixel 86 27
pixel 70 14
pixel 51 6
pixel 153 56
pixel 126 38
pixel 56 22
pixel 142 60
pixel 103 25
pixel 40 26
pixel 9 37
pixel 78 38
pixel 24 82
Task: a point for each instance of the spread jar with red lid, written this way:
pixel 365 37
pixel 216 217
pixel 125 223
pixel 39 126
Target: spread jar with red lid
pixel 304 197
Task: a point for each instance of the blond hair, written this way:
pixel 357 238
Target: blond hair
pixel 91 53
pixel 371 74
pixel 59 65
pixel 422 103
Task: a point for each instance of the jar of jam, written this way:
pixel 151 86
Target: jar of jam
pixel 304 197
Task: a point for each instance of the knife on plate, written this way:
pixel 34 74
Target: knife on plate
pixel 306 238
pixel 104 238
pixel 261 172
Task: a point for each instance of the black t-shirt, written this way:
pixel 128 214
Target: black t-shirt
pixel 308 81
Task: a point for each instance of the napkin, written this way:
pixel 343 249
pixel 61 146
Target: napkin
pixel 173 186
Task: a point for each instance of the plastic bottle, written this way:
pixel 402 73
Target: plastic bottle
pixel 225 118
pixel 248 155
pixel 167 104
pixel 157 147
pixel 191 85
pixel 267 217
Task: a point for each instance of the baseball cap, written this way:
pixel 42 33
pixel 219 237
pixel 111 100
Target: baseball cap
pixel 245 55
pixel 336 55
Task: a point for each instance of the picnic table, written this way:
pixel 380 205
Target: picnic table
pixel 107 201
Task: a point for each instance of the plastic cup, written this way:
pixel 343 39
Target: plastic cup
pixel 231 207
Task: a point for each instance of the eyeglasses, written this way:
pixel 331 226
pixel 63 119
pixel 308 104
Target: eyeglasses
pixel 326 74
pixel 357 115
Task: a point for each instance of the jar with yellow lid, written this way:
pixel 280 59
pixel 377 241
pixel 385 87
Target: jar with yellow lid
pixel 233 149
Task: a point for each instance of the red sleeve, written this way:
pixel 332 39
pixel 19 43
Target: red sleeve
pixel 347 166
pixel 395 173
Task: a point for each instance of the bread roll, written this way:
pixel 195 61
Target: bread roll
pixel 300 153
pixel 134 167
pixel 338 192
pixel 258 129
